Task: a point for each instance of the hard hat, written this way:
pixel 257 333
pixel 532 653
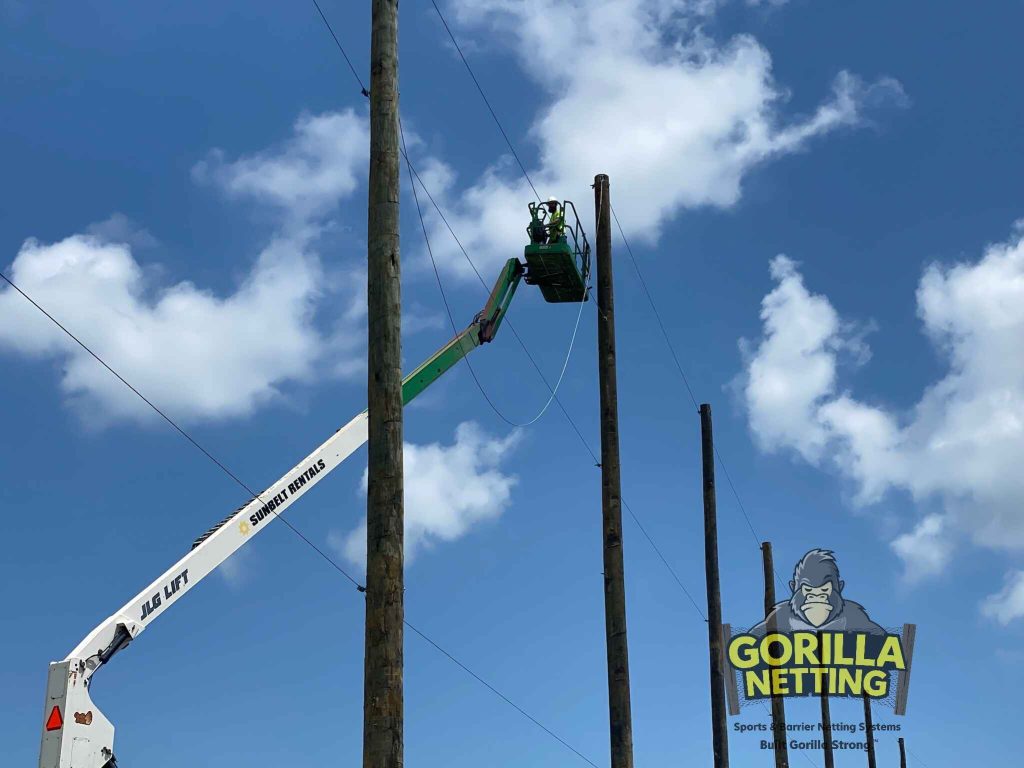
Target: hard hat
pixel 553 200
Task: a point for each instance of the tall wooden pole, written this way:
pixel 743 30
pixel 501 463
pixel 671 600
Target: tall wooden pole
pixel 719 725
pixel 903 753
pixel 826 730
pixel 778 706
pixel 383 695
pixel 826 718
pixel 619 711
pixel 869 731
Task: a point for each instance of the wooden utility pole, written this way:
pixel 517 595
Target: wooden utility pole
pixel 903 753
pixel 869 731
pixel 383 695
pixel 903 677
pixel 778 706
pixel 826 717
pixel 719 726
pixel 619 710
pixel 826 730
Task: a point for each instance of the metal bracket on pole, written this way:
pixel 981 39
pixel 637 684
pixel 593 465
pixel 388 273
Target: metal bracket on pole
pixel 732 694
pixel 903 679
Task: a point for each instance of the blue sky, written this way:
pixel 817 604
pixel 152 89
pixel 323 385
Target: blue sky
pixel 186 190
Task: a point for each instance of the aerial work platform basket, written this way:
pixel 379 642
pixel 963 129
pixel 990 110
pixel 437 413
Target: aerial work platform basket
pixel 558 256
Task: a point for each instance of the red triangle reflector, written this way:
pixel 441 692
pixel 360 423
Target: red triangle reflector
pixel 54 722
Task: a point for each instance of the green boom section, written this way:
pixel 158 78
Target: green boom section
pixel 432 369
pixel 482 330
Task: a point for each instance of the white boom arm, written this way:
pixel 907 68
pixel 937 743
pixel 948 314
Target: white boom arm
pixel 75 732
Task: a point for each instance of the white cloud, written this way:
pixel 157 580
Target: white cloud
pixel 962 444
pixel 926 550
pixel 634 90
pixel 118 228
pixel 448 489
pixel 194 353
pixel 1007 604
pixel 321 163
pixel 799 333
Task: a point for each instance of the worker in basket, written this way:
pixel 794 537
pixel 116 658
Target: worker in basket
pixel 556 221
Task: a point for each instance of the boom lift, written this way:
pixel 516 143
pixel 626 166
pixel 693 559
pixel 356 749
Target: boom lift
pixel 75 732
pixel 558 256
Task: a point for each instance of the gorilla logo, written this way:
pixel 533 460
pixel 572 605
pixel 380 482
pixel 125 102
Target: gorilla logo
pixel 817 602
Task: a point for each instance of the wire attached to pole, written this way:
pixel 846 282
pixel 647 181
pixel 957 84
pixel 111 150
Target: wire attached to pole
pixel 337 42
pixel 483 95
pixel 519 339
pixel 686 382
pixel 294 530
pixel 413 179
pixel 553 390
pixel 255 496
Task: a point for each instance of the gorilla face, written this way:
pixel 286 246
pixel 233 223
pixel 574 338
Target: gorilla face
pixel 817 588
pixel 817 604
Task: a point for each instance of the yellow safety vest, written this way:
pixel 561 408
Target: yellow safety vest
pixel 556 223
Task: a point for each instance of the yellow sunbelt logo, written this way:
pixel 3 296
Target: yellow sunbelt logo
pixel 817 642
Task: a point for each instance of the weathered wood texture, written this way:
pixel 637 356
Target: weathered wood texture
pixel 383 704
pixel 732 693
pixel 903 678
pixel 719 724
pixel 778 705
pixel 826 725
pixel 869 732
pixel 620 716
